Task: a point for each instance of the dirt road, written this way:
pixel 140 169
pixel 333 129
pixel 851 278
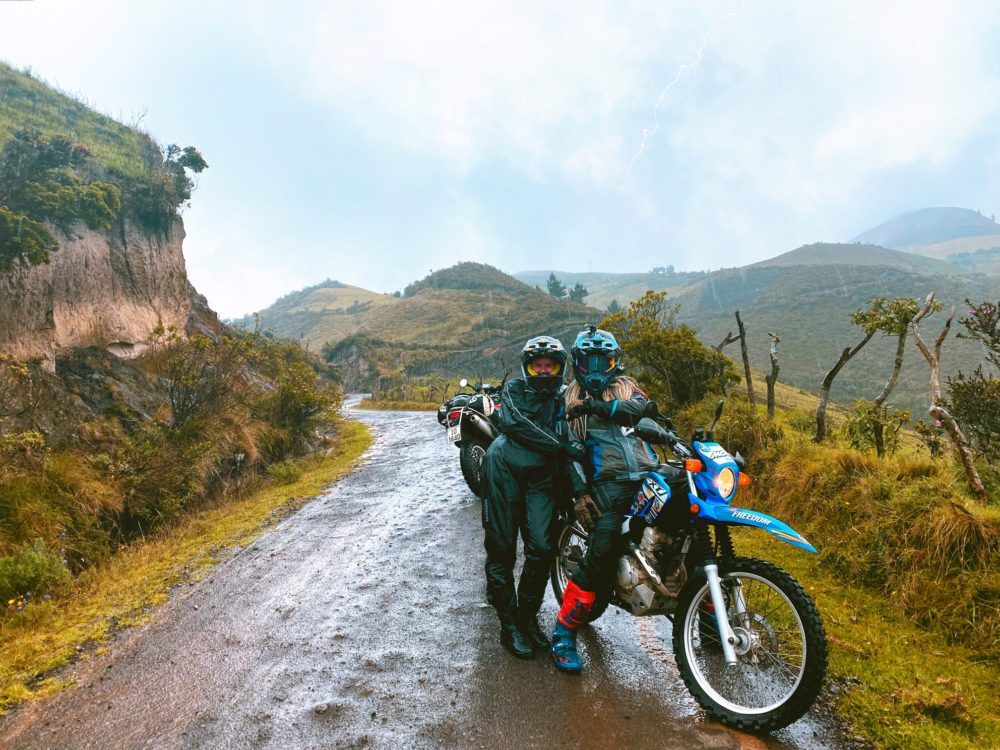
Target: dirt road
pixel 361 622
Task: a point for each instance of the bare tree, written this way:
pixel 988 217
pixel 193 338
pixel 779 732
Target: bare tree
pixel 824 394
pixel 894 320
pixel 746 360
pixel 772 378
pixel 937 409
pixel 729 339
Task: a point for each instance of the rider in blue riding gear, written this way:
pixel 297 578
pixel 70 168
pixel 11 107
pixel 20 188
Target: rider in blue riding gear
pixel 601 403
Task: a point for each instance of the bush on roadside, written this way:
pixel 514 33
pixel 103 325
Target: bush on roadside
pixel 31 568
pixel 285 472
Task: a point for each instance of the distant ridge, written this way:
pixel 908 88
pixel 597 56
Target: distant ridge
pixel 823 254
pixel 929 226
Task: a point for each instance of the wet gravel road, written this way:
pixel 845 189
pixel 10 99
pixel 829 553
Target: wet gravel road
pixel 361 622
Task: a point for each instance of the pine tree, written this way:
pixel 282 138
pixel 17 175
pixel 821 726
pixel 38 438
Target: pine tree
pixel 556 288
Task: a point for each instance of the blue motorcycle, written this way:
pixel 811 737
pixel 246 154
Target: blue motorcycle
pixel 748 640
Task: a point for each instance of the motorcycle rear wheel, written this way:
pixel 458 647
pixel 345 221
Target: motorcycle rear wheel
pixel 781 647
pixel 570 549
pixel 470 458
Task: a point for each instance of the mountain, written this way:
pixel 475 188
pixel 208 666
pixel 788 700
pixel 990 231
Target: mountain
pixel 928 226
pixel 838 254
pixel 806 296
pixel 329 311
pixel 470 319
pixel 964 238
pixel 808 306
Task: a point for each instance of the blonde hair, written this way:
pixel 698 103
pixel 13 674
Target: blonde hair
pixel 621 389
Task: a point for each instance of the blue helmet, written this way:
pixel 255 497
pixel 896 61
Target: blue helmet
pixel 597 360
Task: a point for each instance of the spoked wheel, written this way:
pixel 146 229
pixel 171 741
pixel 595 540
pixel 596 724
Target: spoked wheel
pixel 780 647
pixel 571 546
pixel 470 458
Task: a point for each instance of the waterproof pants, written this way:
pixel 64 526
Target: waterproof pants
pixel 597 571
pixel 520 498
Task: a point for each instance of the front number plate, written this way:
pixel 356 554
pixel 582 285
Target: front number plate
pixel 455 433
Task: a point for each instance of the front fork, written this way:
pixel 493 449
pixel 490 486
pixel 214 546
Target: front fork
pixel 726 634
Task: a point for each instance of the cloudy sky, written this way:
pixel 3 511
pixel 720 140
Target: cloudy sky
pixel 372 142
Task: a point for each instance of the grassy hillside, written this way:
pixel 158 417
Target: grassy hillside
pixel 29 103
pixel 808 307
pixel 470 319
pixel 929 225
pixel 605 287
pixel 833 254
pixel 329 311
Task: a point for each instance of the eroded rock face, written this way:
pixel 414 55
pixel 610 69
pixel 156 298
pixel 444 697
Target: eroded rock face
pixel 107 289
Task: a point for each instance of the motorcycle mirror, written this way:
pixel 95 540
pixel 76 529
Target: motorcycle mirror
pixel 718 413
pixel 463 382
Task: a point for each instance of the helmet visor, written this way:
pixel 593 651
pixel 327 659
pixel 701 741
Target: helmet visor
pixel 595 364
pixel 544 365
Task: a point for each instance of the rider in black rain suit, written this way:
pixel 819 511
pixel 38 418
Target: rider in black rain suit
pixel 521 472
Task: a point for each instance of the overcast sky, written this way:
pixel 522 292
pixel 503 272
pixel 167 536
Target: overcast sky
pixel 371 142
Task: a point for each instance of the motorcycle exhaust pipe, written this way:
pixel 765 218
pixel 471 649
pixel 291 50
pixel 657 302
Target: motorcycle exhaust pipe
pixel 483 426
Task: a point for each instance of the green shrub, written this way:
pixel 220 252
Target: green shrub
pixel 31 569
pixel 285 472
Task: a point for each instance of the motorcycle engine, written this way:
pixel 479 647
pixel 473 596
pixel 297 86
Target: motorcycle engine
pixel 636 588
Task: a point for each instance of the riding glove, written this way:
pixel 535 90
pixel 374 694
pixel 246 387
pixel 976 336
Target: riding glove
pixel 587 512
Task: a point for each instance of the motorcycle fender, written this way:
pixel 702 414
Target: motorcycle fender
pixel 479 426
pixel 743 517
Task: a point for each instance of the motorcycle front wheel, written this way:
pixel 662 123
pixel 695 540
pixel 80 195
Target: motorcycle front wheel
pixel 470 458
pixel 570 549
pixel 780 646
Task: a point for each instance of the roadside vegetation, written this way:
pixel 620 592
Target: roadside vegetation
pixel 214 416
pixel 122 590
pixel 908 573
pixel 98 523
pixel 380 405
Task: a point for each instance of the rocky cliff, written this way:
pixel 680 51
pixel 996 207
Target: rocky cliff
pixel 108 289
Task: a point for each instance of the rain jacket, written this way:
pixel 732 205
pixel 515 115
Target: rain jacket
pixel 614 454
pixel 521 471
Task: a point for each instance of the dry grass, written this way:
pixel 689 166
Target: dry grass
pixel 901 526
pixel 123 591
pixel 367 403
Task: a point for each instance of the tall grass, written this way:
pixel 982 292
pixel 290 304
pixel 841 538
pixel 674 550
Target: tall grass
pixel 901 526
pixel 29 103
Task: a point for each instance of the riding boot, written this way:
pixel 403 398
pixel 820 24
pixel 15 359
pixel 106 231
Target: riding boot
pixel 532 632
pixel 513 640
pixel 563 649
pixel 576 605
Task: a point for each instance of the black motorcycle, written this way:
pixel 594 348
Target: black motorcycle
pixel 472 424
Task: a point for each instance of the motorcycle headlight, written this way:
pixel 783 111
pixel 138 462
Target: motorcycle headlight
pixel 725 482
